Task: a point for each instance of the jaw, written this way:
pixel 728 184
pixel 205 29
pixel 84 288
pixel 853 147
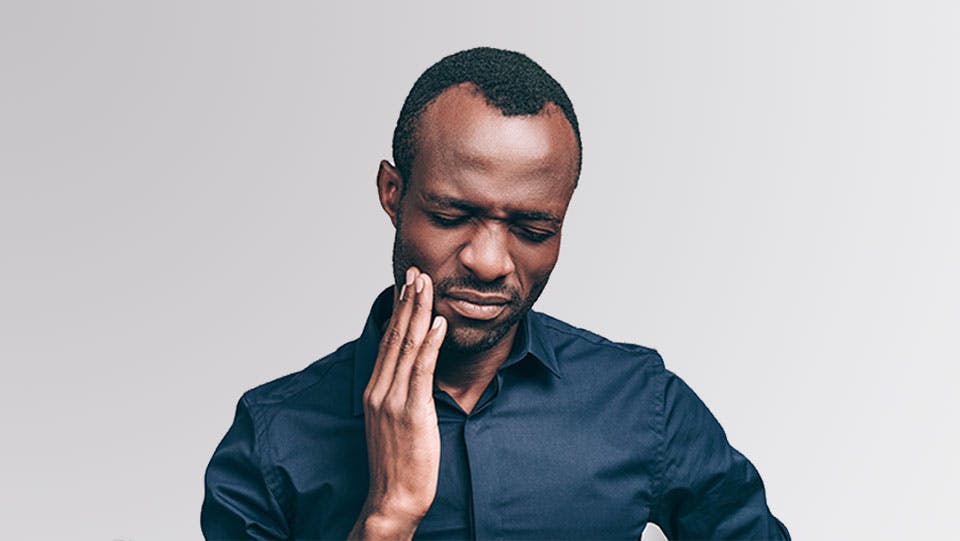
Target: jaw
pixel 466 338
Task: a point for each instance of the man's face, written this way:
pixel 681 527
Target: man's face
pixel 482 211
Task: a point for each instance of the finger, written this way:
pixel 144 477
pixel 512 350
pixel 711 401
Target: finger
pixel 421 376
pixel 393 335
pixel 416 332
pixel 388 353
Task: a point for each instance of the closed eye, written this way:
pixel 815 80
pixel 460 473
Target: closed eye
pixel 530 234
pixel 448 220
pixel 535 235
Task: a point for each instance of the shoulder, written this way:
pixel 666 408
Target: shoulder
pixel 561 333
pixel 334 370
pixel 574 345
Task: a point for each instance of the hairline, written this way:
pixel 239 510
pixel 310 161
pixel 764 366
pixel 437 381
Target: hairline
pixel 417 115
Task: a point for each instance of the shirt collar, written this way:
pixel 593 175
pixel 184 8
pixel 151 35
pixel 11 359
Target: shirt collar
pixel 531 341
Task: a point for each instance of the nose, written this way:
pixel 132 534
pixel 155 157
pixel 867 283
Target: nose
pixel 486 255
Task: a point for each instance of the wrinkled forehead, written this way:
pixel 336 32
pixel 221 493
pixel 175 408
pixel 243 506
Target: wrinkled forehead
pixel 461 136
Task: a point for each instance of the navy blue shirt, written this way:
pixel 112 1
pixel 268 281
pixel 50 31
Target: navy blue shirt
pixel 576 437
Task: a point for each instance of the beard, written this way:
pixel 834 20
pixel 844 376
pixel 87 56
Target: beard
pixel 469 339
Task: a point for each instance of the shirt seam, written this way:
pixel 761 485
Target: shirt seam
pixel 661 460
pixel 276 397
pixel 595 339
pixel 262 424
pixel 271 481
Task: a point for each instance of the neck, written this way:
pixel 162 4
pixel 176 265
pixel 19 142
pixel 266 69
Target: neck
pixel 464 376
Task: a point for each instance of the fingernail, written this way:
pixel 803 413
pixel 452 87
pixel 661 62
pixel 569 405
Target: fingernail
pixel 420 282
pixel 410 275
pixel 437 321
pixel 402 291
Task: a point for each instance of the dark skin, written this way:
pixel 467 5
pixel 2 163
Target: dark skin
pixel 478 234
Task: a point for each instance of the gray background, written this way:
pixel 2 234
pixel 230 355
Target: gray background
pixel 188 210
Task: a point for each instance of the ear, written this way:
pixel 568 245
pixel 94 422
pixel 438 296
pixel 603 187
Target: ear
pixel 389 188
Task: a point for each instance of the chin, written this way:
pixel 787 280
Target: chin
pixel 464 339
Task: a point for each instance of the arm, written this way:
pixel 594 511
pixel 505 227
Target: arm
pixel 708 490
pixel 238 502
pixel 403 435
pixel 403 441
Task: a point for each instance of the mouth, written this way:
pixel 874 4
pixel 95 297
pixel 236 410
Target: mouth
pixel 472 305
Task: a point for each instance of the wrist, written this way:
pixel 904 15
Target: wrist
pixel 376 524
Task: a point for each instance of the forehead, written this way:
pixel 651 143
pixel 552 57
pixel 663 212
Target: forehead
pixel 468 149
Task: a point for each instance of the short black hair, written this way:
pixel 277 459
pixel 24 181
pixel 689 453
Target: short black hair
pixel 510 81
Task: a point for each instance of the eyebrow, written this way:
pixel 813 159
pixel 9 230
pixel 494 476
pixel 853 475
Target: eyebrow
pixel 515 214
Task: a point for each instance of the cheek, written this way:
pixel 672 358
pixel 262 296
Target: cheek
pixel 431 250
pixel 535 264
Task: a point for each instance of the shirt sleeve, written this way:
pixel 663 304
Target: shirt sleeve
pixel 708 490
pixel 238 502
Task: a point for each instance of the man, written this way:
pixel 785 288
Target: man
pixel 459 412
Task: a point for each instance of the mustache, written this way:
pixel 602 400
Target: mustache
pixel 444 285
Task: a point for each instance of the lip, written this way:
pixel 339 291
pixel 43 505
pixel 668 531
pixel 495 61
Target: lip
pixel 475 306
pixel 477 298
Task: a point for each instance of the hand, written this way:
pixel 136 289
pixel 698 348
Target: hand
pixel 403 437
